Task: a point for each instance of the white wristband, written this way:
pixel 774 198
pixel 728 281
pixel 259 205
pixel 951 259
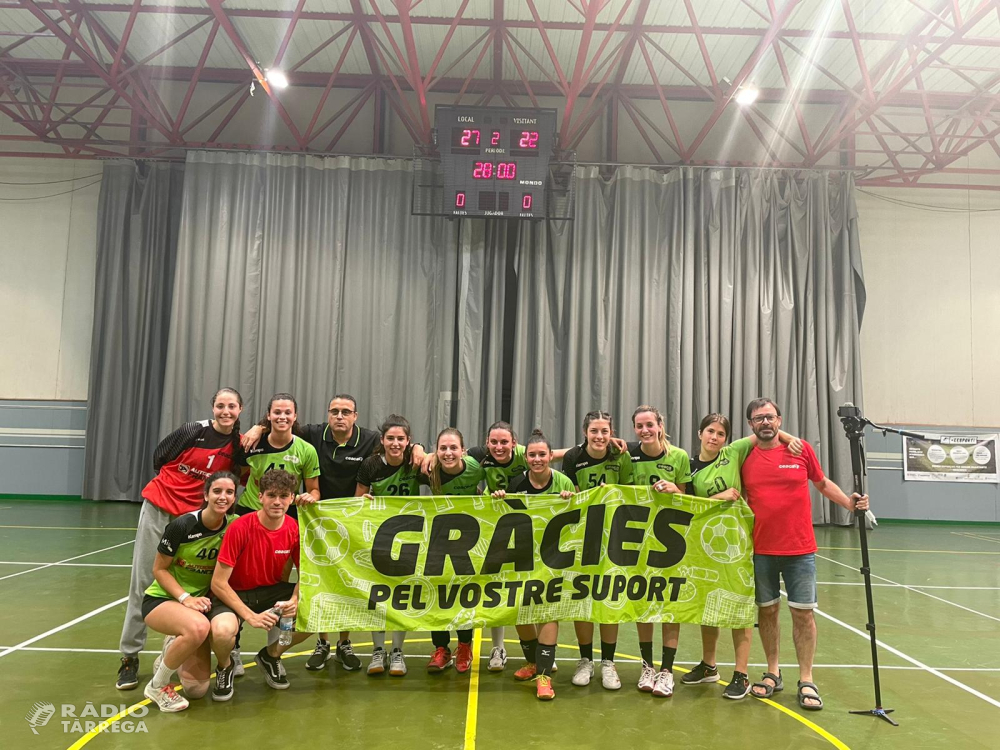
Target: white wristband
pixel 184 596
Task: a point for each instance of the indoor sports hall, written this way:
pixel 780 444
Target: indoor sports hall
pixel 342 335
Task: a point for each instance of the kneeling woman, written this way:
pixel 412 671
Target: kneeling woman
pixel 453 474
pixel 540 479
pixel 175 604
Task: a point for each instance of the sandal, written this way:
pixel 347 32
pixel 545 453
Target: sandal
pixel 769 690
pixel 813 696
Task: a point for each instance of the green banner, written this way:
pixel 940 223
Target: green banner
pixel 610 554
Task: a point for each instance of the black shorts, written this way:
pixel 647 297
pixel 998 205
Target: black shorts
pixel 259 599
pixel 149 603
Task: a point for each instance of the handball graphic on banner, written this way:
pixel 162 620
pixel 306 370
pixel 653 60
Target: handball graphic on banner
pixel 610 554
pixel 951 458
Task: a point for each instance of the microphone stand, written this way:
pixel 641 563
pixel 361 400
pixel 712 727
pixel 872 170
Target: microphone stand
pixel 854 425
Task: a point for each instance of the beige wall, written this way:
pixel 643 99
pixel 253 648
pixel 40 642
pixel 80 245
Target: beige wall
pixel 47 264
pixel 930 339
pixel 931 333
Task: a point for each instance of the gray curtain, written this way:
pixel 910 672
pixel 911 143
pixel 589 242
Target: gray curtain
pixel 695 291
pixel 309 275
pixel 138 215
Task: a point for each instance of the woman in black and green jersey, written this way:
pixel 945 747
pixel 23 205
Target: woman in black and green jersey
pixel 176 604
pixel 280 449
pixel 453 474
pixel 389 471
pixel 502 459
pixel 595 462
pixel 666 468
pixel 715 473
pixel 540 479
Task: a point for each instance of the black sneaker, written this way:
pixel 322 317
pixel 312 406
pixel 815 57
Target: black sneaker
pixel 128 673
pixel 223 689
pixel 738 687
pixel 320 656
pixel 345 655
pixel 701 673
pixel 273 669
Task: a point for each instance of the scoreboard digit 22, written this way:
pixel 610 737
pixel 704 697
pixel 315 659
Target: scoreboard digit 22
pixel 495 160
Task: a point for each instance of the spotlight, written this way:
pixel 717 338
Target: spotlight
pixel 747 95
pixel 276 78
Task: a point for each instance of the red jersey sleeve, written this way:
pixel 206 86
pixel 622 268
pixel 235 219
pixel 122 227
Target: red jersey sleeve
pixel 813 470
pixel 233 543
pixel 294 546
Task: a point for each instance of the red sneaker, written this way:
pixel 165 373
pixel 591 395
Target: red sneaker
pixel 441 660
pixel 463 658
pixel 525 673
pixel 543 688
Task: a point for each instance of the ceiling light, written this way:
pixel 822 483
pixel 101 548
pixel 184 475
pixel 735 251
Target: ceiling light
pixel 747 95
pixel 277 79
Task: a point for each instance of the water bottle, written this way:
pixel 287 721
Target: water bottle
pixel 286 625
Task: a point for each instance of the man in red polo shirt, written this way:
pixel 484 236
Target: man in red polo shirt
pixel 251 579
pixel 776 486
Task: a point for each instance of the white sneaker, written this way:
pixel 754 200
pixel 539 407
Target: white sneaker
pixel 377 664
pixel 397 664
pixel 236 660
pixel 609 675
pixel 584 671
pixel 498 660
pixel 647 679
pixel 166 698
pixel 664 685
pixel 159 659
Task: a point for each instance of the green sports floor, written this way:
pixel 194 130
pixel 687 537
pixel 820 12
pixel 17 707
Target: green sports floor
pixel 64 571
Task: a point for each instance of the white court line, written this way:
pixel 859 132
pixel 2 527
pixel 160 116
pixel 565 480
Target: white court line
pixel 761 665
pixel 68 559
pixel 976 536
pixel 905 657
pixel 903 585
pixel 915 590
pixel 58 628
pixel 67 565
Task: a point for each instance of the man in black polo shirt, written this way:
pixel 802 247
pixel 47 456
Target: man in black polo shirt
pixel 342 446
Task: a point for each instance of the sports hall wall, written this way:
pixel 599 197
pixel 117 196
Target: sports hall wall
pixel 930 297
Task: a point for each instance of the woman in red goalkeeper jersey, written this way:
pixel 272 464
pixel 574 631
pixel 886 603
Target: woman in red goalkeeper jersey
pixel 183 460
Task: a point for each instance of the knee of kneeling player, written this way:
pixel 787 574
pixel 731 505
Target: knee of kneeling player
pixel 195 689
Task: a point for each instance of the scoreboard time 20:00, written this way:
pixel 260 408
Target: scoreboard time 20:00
pixel 495 160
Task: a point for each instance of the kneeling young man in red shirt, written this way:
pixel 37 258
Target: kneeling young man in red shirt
pixel 776 486
pixel 251 579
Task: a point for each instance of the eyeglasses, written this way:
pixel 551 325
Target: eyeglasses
pixel 762 418
pixel 337 412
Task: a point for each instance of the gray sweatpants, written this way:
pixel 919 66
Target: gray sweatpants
pixel 152 522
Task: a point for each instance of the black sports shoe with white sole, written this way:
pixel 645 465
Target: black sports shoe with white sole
pixel 738 687
pixel 223 689
pixel 346 656
pixel 128 673
pixel 273 669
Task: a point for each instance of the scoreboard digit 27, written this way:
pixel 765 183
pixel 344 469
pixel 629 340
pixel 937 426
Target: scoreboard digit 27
pixel 495 160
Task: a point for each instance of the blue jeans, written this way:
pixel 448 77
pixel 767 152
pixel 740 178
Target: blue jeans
pixel 798 572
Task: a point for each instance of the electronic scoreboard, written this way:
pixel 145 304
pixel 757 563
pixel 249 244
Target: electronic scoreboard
pixel 495 160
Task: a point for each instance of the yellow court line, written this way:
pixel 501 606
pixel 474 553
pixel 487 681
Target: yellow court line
pixel 74 528
pixel 472 710
pixel 919 551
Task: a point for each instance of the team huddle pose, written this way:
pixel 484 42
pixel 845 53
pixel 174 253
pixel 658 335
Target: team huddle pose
pixel 205 564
